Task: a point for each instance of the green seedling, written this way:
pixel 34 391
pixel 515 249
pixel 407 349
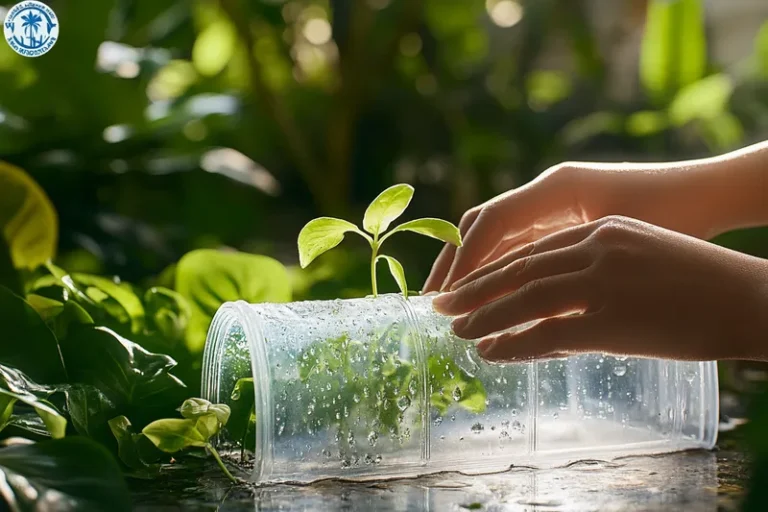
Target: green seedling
pixel 325 233
pixel 201 421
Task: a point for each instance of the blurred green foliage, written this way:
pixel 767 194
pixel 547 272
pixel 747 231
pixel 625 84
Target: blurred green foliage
pixel 158 127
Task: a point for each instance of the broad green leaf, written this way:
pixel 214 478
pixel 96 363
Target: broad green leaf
pixel 706 99
pixel 722 133
pixel 388 206
pixel 27 218
pixel 195 407
pixel 131 377
pixel 396 269
pixel 321 235
pixel 208 425
pixel 209 278
pixel 125 306
pixel 167 313
pixel 130 446
pixel 45 307
pixel 54 421
pixel 76 472
pixel 674 50
pixel 172 435
pixel 27 343
pixel 242 406
pixel 89 410
pixel 72 314
pixel 16 387
pixel 435 228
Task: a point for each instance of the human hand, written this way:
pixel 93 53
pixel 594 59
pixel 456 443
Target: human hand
pixel 617 286
pixel 681 197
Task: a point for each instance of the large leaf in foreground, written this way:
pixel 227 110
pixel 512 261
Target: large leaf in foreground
pixel 124 371
pixel 26 343
pixel 66 474
pixel 17 388
pixel 209 278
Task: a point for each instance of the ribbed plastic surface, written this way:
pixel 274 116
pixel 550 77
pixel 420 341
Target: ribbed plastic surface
pixel 379 388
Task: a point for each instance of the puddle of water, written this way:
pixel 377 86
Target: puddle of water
pixel 693 481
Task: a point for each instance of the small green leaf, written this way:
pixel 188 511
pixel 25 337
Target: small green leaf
pixel 321 235
pixel 435 228
pixel 27 218
pixel 388 206
pixel 6 409
pixel 396 269
pixel 125 306
pixel 54 422
pixel 242 408
pixel 209 278
pixel 89 409
pixel 167 312
pixel 761 50
pixel 193 408
pixel 45 307
pixel 172 435
pixel 208 425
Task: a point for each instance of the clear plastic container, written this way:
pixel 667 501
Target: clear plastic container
pixel 378 388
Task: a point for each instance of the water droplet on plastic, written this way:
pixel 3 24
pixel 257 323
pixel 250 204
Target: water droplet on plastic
pixel 456 394
pixel 356 398
pixel 477 428
pixel 372 438
pixel 504 423
pixel 516 425
pixel 620 370
pixel 438 421
pixel 403 402
pixel 377 459
pixel 555 415
pixel 351 439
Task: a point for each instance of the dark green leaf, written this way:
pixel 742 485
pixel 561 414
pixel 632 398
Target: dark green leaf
pixel 130 446
pixel 242 406
pixel 172 435
pixel 65 474
pixel 167 313
pixel 209 278
pixel 89 409
pixel 124 371
pixel 9 276
pixel 28 344
pixel 118 299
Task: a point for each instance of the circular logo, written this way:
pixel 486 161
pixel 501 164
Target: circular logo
pixel 31 28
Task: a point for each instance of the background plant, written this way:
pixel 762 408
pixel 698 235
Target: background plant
pixel 164 130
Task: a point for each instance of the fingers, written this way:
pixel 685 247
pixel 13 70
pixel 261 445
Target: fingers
pixel 445 259
pixel 543 298
pixel 549 339
pixel 565 238
pixel 507 279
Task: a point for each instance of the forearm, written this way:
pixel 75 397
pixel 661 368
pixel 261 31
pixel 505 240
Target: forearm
pixel 733 189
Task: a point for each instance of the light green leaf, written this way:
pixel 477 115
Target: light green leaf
pixel 129 310
pixel 54 422
pixel 214 47
pixel 27 218
pixel 674 49
pixel 435 228
pixel 172 435
pixel 45 307
pixel 761 50
pixel 208 425
pixel 706 99
pixel 451 385
pixel 6 409
pixel 193 408
pixel 321 235
pixel 388 206
pixel 646 122
pixel 396 269
pixel 208 278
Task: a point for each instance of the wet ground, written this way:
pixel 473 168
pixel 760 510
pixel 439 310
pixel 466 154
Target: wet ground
pixel 690 481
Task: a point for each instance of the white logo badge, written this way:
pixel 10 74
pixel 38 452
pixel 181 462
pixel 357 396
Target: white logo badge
pixel 31 28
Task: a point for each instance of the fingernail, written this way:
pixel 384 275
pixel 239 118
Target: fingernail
pixel 459 324
pixel 442 301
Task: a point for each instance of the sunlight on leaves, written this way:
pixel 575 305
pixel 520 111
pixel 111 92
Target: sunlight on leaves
pixel 387 206
pixel 321 235
pixel 396 269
